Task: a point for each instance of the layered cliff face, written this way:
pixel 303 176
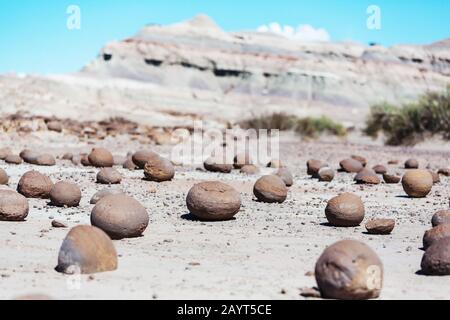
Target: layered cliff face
pixel 195 69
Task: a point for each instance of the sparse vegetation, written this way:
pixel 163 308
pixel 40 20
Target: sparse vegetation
pixel 280 121
pixel 411 123
pixel 312 127
pixel 308 127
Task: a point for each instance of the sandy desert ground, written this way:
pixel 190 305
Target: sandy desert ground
pixel 265 253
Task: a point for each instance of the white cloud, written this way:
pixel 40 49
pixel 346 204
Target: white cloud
pixel 304 32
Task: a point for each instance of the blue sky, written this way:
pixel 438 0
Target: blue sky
pixel 35 38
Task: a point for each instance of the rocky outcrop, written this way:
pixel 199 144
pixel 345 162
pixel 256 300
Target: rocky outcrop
pixel 194 69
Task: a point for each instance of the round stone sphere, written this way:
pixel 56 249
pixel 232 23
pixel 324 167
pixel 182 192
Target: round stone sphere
pixel 84 160
pixel 3 177
pixel 241 160
pixel 367 176
pixel 391 178
pixel 86 250
pixel 4 152
pixel 213 201
pixel 13 159
pixel 439 232
pixel 250 169
pixel 270 189
pixel 444 171
pixel 436 259
pixel 325 174
pixel 67 156
pixel 441 217
pixel 360 159
pixel 120 216
pixel 380 226
pixel 34 184
pixel 351 165
pixel 216 164
pixel 29 156
pixel 411 164
pixel 13 206
pixel 100 157
pixel 286 176
pixel 417 183
pixel 435 176
pixel 45 159
pixel 65 194
pixel 379 169
pixel 129 164
pixel 54 126
pixel 349 270
pixel 313 166
pixel 345 210
pixel 159 169
pixel 140 158
pixel 109 176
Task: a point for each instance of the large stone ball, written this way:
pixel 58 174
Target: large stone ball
pixel 444 171
pixel 286 176
pixel 217 164
pixel 380 226
pixel 351 165
pixel 65 194
pixel 250 169
pixel 349 270
pixel 213 201
pixel 417 183
pixel 360 159
pixel 345 210
pixel 45 159
pixel 270 189
pixel 86 250
pixel 13 159
pixel 54 126
pixel 159 169
pixel 325 174
pixel 436 259
pixel 84 160
pixel 439 232
pixel 34 184
pixel 313 166
pixel 379 169
pixel 29 156
pixel 411 164
pixel 120 216
pixel 67 156
pixel 100 157
pixel 4 152
pixel 13 206
pixel 241 160
pixel 140 158
pixel 441 217
pixel 3 177
pixel 129 164
pixel 367 176
pixel 109 176
pixel 391 178
pixel 435 176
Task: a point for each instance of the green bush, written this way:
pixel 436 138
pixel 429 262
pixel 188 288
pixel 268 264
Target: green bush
pixel 312 127
pixel 308 127
pixel 279 121
pixel 411 123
